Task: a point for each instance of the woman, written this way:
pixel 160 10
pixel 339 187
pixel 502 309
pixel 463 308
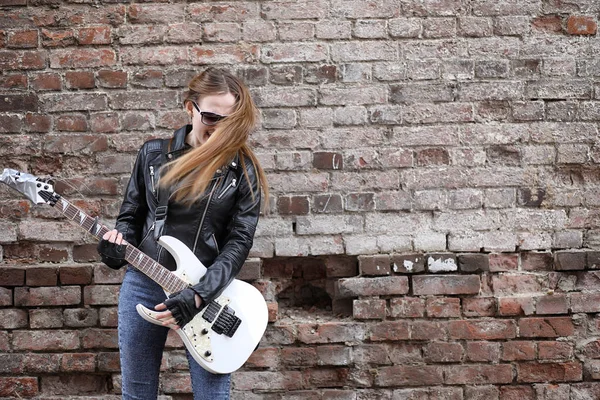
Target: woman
pixel 210 185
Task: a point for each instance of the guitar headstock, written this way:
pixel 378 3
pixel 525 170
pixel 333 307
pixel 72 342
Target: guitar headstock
pixel 39 191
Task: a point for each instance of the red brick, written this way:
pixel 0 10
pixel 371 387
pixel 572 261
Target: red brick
pixel 515 350
pixel 82 58
pixel 359 202
pixel 79 144
pixel 516 306
pixel 298 356
pixel 41 363
pixel 369 309
pixel 11 318
pixel 52 254
pixel 479 306
pixel 292 205
pixel 41 276
pixel 334 355
pixel 550 23
pixel 535 261
pixel 6 297
pixel 378 286
pixel 511 284
pixel 327 203
pixel 581 25
pixel 18 387
pixel 546 327
pixel 46 81
pixel 478 374
pixel 94 35
pixel 324 377
pixel 585 302
pixel 79 80
pixel 109 317
pixel 57 38
pixel 112 79
pixel 483 351
pixel 78 362
pixel 75 275
pixel 428 330
pixel 445 284
pixel 12 276
pixel 408 263
pixel 443 307
pixel 80 317
pixel 101 295
pixel 65 385
pixel 555 350
pixel 569 261
pixel 503 262
pixel 22 39
pixel 434 156
pixel 413 375
pixel 22 60
pixel 554 304
pixel 104 123
pixel 46 318
pixel 19 102
pixel 374 265
pixel 389 331
pixel 10 123
pixel 407 307
pixel 109 362
pixel 267 380
pixel 13 81
pixel 267 357
pixel 331 332
pixel 71 123
pixel 549 372
pixel 517 393
pixel 37 123
pixel 149 79
pixel 441 352
pixel 482 329
pixel 328 160
pixel 47 296
pixel 99 339
pixel 46 340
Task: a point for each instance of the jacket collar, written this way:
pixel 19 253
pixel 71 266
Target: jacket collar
pixel 179 146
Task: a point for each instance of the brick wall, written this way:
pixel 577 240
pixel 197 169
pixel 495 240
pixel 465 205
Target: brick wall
pixel 435 223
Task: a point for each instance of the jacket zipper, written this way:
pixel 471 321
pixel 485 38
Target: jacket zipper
pixel 152 179
pixel 216 244
pixel 232 184
pixel 203 216
pixel 147 234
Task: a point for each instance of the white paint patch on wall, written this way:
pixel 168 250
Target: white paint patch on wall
pixel 441 265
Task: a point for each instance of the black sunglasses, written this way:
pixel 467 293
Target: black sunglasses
pixel 208 118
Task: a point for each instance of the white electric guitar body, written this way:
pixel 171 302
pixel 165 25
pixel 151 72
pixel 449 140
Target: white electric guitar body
pixel 223 335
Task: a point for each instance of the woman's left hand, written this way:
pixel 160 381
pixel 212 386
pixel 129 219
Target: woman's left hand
pixel 181 307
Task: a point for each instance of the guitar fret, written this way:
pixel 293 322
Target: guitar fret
pixel 165 278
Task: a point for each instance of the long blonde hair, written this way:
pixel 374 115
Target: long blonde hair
pixel 192 173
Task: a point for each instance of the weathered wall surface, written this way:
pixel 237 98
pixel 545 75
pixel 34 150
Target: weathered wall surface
pixel 435 224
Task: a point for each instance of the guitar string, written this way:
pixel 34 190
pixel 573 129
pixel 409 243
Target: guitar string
pixel 154 270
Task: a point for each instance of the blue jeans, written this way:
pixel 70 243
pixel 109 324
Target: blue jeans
pixel 141 346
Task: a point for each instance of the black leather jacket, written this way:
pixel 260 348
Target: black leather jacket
pixel 219 228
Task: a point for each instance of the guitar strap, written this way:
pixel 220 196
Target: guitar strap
pixel 160 215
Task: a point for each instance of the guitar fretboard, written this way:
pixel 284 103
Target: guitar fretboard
pixel 161 275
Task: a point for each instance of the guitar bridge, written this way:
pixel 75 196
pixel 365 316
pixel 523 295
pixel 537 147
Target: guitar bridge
pixel 227 323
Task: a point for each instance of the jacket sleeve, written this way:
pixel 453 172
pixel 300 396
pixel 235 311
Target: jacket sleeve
pixel 134 208
pixel 238 241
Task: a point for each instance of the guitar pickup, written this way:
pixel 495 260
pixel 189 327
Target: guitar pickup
pixel 227 323
pixel 211 311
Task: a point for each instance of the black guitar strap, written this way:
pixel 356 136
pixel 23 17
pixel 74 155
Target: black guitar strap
pixel 160 216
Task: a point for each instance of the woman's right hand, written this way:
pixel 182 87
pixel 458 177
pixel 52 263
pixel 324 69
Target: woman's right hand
pixel 112 249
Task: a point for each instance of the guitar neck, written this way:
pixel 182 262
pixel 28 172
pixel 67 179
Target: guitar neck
pixel 159 274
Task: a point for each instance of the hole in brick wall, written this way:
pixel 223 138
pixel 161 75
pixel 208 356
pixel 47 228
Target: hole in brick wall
pixel 305 286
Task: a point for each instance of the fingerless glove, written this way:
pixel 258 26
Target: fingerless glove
pixel 113 255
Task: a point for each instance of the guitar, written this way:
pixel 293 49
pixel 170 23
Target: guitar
pixel 223 335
